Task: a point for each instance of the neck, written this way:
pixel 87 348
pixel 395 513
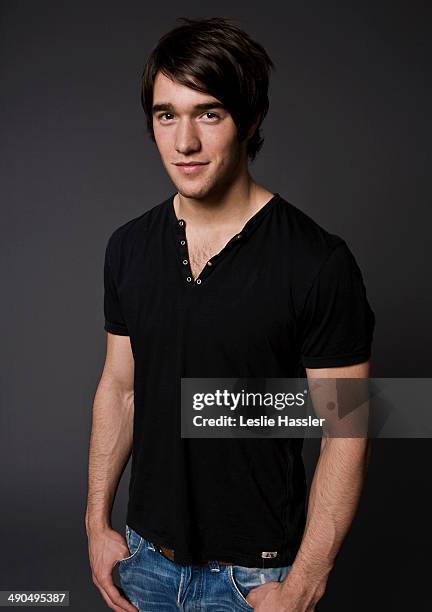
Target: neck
pixel 229 207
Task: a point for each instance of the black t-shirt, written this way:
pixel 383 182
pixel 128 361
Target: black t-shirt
pixel 282 295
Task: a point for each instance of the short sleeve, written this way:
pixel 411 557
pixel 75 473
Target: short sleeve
pixel 114 320
pixel 337 322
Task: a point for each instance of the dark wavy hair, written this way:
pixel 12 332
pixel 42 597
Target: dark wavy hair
pixel 216 57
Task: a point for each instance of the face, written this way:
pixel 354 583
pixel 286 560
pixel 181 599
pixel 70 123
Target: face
pixel 190 126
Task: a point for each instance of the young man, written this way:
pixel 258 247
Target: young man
pixel 224 278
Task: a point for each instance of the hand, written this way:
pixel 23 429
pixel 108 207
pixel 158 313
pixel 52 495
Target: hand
pixel 273 597
pixel 106 547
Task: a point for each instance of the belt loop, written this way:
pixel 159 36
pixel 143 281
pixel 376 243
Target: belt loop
pixel 150 545
pixel 214 566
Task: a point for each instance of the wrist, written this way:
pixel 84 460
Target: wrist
pixel 306 582
pixel 312 566
pixel 95 523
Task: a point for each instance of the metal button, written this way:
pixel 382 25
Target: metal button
pixel 198 281
pixel 189 279
pixel 182 241
pixel 185 261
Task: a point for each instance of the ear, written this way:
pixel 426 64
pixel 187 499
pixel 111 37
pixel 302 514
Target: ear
pixel 253 127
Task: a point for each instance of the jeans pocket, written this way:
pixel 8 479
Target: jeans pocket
pixel 134 542
pixel 244 579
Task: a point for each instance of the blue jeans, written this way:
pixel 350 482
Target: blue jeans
pixel 153 583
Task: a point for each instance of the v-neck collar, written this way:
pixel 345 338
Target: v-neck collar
pixel 246 227
pixel 179 232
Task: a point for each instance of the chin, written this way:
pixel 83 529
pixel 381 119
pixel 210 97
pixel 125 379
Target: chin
pixel 191 191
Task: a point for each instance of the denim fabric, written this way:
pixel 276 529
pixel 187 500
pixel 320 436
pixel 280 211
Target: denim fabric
pixel 153 583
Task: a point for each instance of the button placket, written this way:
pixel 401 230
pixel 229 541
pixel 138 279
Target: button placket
pixel 209 265
pixel 182 243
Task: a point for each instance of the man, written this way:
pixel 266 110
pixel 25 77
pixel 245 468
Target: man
pixel 222 279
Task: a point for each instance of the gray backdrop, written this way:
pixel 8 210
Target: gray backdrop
pixel 346 142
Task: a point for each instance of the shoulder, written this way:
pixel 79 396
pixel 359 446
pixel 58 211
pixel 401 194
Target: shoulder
pixel 123 238
pixel 311 250
pixel 310 241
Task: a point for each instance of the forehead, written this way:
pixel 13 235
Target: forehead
pixel 167 90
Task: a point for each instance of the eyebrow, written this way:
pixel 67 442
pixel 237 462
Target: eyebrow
pixel 166 106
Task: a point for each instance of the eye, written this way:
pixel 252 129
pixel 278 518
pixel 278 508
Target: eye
pixel 165 115
pixel 214 115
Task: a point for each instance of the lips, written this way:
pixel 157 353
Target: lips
pixel 191 167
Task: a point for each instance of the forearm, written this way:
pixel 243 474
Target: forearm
pixel 110 447
pixel 333 500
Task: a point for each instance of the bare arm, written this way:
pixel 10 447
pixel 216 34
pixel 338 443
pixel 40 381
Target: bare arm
pixel 110 448
pixel 333 500
pixel 111 433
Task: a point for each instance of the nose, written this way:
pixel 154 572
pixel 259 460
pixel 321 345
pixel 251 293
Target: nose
pixel 186 139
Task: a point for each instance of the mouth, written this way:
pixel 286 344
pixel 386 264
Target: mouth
pixel 191 167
